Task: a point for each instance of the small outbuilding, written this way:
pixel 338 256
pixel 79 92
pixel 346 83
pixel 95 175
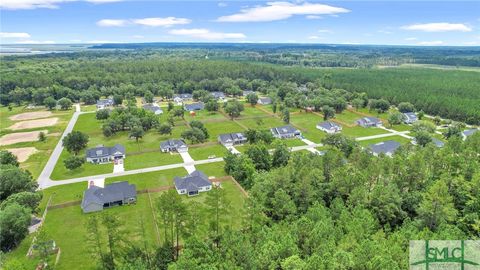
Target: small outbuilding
pixel 193 183
pixel 98 198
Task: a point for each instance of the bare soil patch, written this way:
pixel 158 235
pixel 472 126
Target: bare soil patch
pixel 23 153
pixel 18 137
pixel 47 122
pixel 30 115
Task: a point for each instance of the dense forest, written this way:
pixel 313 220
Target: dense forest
pixel 86 76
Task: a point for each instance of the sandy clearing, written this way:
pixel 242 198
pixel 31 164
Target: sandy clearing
pixel 23 153
pixel 18 137
pixel 47 122
pixel 30 115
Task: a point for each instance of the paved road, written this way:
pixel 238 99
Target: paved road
pixel 399 133
pixel 44 180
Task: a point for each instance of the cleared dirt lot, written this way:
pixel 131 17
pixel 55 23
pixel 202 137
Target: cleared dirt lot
pixel 47 122
pixel 30 116
pixel 23 153
pixel 18 137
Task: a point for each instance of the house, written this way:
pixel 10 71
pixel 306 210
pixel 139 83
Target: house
pixel 98 198
pixel 153 108
pixel 285 132
pixel 193 183
pixel 173 145
pixel 248 92
pixel 329 127
pixel 435 141
pixel 194 107
pixel 410 118
pixel 230 139
pixel 468 133
pixel 218 95
pixel 180 98
pixel 386 147
pixel 102 154
pixel 104 103
pixel 369 122
pixel 264 101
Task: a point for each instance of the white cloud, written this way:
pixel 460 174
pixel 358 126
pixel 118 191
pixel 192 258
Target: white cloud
pixel 206 34
pixel 32 4
pixel 313 17
pixel 35 42
pixel 14 35
pixel 164 22
pixel 430 43
pixel 438 27
pixel 324 31
pixel 112 22
pixel 275 11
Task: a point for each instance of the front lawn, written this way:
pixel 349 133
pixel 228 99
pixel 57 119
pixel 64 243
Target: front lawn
pixel 203 152
pixel 151 159
pixel 358 131
pixel 217 128
pixel 87 169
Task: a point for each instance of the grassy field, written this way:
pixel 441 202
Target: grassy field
pixel 151 159
pixel 261 123
pixel 308 122
pixel 203 152
pixel 217 128
pixel 358 131
pixel 37 161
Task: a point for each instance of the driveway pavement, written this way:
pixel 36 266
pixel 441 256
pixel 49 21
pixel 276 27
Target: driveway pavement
pixel 188 161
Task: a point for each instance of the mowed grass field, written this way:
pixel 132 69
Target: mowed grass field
pixel 67 225
pixel 37 161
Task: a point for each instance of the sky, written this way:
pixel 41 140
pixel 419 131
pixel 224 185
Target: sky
pixel 429 23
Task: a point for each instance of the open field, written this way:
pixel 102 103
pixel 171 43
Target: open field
pixel 150 159
pixel 29 124
pixel 21 137
pixel 203 152
pixel 30 115
pixel 23 153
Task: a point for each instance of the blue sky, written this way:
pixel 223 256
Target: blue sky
pixel 353 22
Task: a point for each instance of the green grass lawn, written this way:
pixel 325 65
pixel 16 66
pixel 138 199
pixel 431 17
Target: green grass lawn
pixel 88 108
pixel 358 131
pixel 150 179
pixel 250 111
pixel 308 124
pixel 292 142
pixel 401 127
pixel 261 123
pixel 212 169
pixel 203 152
pixel 397 138
pixel 217 128
pixel 151 159
pixel 348 117
pixel 204 115
pixel 87 169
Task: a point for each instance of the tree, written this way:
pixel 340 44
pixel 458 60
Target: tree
pixel 380 105
pixel 75 141
pixel 194 135
pixel 339 104
pixel 43 244
pixel 217 206
pixel 437 120
pixel 252 98
pixel 240 167
pixel 199 125
pixel 423 126
pixel 420 115
pixel 358 103
pixel 178 112
pixel 395 118
pixel 14 222
pixel 94 240
pixel 405 107
pixel 148 97
pixel 7 157
pixel 73 162
pixel 233 108
pixel 423 138
pixel 26 199
pixel 137 132
pixel 437 206
pixel 274 107
pixel 281 155
pixel 453 131
pixel 286 116
pixel 14 180
pixel 211 105
pixel 102 114
pixel 50 103
pixel 341 142
pixel 260 156
pixel 115 235
pixel 65 103
pixel 328 112
pixel 170 106
pixel 42 137
pixel 117 100
pixel 165 129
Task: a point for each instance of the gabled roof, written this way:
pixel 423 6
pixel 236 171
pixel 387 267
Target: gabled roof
pixel 265 100
pixel 386 147
pixel 247 92
pixel 183 96
pixel 152 108
pixel 288 129
pixel 410 116
pixel 469 132
pixel 102 151
pixel 329 125
pixel 369 120
pixel 231 137
pixel 192 182
pixel 218 94
pixel 194 106
pixel 105 102
pixel 173 143
pixel 437 142
pixel 117 191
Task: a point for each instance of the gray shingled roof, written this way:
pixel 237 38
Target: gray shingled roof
pixel 192 182
pixel 410 116
pixel 218 94
pixel 437 142
pixel 117 191
pixel 173 143
pixel 184 96
pixel 194 106
pixel 265 100
pixel 288 129
pixel 102 151
pixel 469 132
pixel 152 108
pixel 385 147
pixel 329 125
pixel 105 102
pixel 368 120
pixel 231 137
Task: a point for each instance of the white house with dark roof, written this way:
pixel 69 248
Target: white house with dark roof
pixel 192 184
pixel 104 103
pixel 264 101
pixel 194 107
pixel 438 143
pixel 468 133
pixel 153 108
pixel 98 198
pixel 369 122
pixel 230 139
pixel 173 145
pixel 329 127
pixel 248 92
pixel 410 118
pixel 102 154
pixel 285 132
pixel 387 147
pixel 220 96
pixel 180 98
